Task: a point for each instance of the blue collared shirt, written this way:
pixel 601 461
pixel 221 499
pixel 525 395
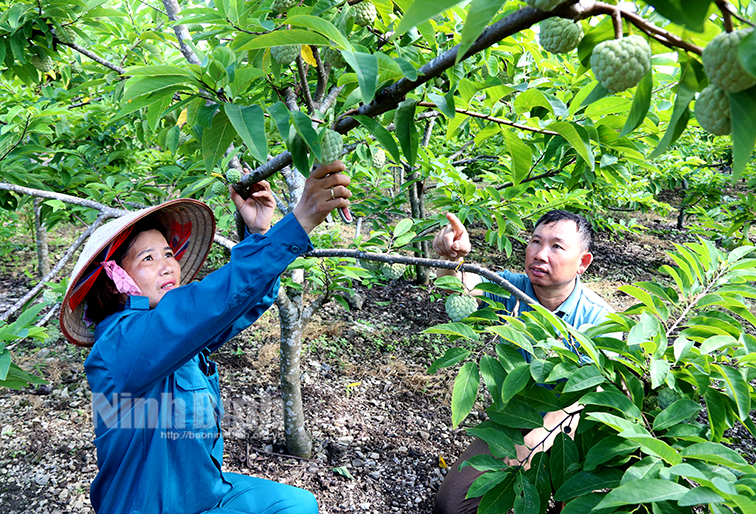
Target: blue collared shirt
pixel 155 395
pixel 583 308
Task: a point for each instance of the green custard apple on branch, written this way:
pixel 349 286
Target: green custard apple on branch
pixel 379 158
pixel 364 14
pixel 283 5
pixel 460 306
pixel 544 5
pixel 285 54
pixel 560 35
pixel 374 266
pixel 233 176
pixel 218 188
pixel 66 34
pixel 43 63
pixel 334 58
pixel 620 64
pixel 331 147
pixel 392 271
pixel 721 64
pixel 713 110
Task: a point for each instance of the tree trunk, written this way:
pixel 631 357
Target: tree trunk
pixel 293 319
pixel 43 253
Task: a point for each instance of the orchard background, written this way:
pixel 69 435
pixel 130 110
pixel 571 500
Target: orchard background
pixel 443 106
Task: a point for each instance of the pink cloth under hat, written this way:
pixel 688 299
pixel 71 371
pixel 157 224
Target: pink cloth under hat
pixel 190 228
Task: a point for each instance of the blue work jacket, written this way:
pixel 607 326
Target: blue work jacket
pixel 155 395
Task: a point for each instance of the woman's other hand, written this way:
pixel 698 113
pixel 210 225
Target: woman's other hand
pixel 257 210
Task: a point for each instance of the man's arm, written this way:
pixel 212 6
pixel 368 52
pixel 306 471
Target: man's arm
pixel 453 243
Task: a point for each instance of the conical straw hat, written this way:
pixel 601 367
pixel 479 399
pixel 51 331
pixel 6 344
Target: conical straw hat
pixel 174 215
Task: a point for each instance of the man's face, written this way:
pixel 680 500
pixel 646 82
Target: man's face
pixel 150 262
pixel 554 255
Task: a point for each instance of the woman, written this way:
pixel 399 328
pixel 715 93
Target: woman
pixel 155 393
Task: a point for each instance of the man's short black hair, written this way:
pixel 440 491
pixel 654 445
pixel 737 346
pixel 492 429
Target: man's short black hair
pixel 584 229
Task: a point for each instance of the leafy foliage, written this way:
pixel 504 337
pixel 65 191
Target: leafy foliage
pixel 687 349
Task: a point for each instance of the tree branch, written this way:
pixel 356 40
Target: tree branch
pixel 724 7
pixel 320 89
pixel 59 266
pixel 96 58
pixel 182 32
pixel 305 86
pixel 500 121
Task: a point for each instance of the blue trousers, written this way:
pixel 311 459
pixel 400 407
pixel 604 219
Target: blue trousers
pixel 252 495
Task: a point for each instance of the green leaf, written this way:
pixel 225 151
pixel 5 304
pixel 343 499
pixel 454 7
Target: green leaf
pixel 585 504
pixel 584 378
pixel 303 125
pixel 654 446
pixel 408 70
pixel 493 375
pixel 584 483
pixel 281 117
pixel 406 131
pixel 676 413
pixel 443 106
pixel 381 134
pixel 479 15
pixel 455 329
pixel 483 463
pixel 642 491
pixel 564 454
pixel 527 499
pixel 641 104
pixel 5 362
pixel 516 414
pixel 366 68
pixel 136 87
pixel 614 400
pixel 689 14
pixel 343 471
pixel 520 153
pixel 249 122
pixel 648 467
pixel 743 107
pixel 737 388
pixel 686 90
pixel 499 444
pixel 539 476
pixel 699 496
pixel 450 358
pixel 403 227
pixel 217 139
pixel 420 11
pixel 499 498
pixel 298 149
pixel 322 26
pixel 607 449
pixel 280 38
pixel 576 136
pixel 465 392
pixel 659 369
pixel 515 382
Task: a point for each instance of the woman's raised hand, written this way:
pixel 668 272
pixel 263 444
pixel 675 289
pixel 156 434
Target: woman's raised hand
pixel 325 189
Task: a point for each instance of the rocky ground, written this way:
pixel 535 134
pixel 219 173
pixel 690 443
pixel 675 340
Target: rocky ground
pixel 381 425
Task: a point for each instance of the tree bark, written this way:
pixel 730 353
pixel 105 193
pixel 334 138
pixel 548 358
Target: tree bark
pixel 43 252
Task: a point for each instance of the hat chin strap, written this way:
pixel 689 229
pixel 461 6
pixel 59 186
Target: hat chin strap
pixel 122 280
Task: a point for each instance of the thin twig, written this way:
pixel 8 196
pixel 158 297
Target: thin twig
pixel 500 121
pixel 302 72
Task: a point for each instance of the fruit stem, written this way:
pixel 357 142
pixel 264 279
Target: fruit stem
pixel 724 6
pixel 617 21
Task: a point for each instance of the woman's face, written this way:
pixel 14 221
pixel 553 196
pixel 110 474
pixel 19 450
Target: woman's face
pixel 150 262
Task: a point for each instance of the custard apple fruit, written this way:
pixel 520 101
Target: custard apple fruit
pixel 219 188
pixel 43 64
pixel 285 54
pixel 460 306
pixel 544 5
pixel 620 64
pixel 720 60
pixel 330 147
pixel 392 271
pixel 374 266
pixel 66 34
pixel 667 397
pixel 283 5
pixel 713 110
pixel 233 175
pixel 364 13
pixel 49 296
pixel 560 35
pixel 183 138
pixel 379 158
pixel 334 58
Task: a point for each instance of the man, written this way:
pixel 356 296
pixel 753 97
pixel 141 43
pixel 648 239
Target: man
pixel 558 252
